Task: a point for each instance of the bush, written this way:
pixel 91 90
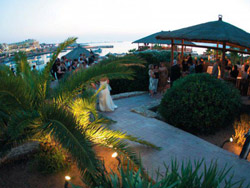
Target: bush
pixel 50 159
pixel 241 128
pixel 140 82
pixel 200 103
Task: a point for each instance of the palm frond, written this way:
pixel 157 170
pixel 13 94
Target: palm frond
pixel 5 71
pixel 22 123
pixel 99 134
pixel 45 77
pixel 61 124
pixel 15 94
pixel 22 65
pixel 22 127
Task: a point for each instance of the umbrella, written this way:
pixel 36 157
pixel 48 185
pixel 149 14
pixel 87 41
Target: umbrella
pixel 75 53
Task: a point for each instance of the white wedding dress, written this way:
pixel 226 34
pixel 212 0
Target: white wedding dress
pixel 106 103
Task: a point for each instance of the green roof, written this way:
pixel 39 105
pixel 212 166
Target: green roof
pixel 75 53
pixel 216 31
pixel 151 39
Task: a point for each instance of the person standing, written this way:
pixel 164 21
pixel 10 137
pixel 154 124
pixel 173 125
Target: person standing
pixel 190 60
pixel 156 78
pixel 163 77
pixel 151 80
pixel 215 71
pixel 184 64
pixel 175 73
pixel 179 60
pixel 199 67
pixel 234 73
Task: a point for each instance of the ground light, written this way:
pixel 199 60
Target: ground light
pixel 228 140
pixel 67 179
pixel 115 155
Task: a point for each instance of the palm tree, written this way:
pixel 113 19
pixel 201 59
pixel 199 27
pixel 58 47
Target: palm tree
pixel 30 110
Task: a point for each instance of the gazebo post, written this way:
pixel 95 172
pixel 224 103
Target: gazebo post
pixel 223 60
pixel 172 51
pixel 217 50
pixel 182 48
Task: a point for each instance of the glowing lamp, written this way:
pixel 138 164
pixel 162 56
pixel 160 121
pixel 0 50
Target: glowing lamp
pixel 115 154
pixel 67 178
pixel 231 139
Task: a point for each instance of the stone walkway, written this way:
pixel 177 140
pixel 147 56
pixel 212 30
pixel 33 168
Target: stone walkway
pixel 175 143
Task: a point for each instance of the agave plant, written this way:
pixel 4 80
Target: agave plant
pixel 30 110
pixel 188 174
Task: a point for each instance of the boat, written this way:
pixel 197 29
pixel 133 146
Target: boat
pixel 49 56
pixel 99 50
pixel 38 57
pixel 39 62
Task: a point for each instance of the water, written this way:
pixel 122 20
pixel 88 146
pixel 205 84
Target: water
pixel 118 47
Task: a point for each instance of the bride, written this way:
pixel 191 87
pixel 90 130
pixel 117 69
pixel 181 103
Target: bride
pixel 106 103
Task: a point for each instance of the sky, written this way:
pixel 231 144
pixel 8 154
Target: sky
pixel 111 20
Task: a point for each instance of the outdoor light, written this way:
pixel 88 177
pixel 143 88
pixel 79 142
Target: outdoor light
pixel 115 155
pixel 228 140
pixel 67 178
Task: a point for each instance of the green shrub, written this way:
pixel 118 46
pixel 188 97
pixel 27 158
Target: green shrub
pixel 50 159
pixel 200 103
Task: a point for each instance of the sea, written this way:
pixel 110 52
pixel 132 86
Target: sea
pixel 118 48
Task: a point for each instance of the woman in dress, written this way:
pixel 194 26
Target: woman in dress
pixel 156 78
pixel 163 77
pixel 106 103
pixel 151 79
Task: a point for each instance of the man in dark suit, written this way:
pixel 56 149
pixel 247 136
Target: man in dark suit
pixel 175 72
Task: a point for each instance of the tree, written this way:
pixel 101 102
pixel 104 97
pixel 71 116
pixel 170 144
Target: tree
pixel 31 110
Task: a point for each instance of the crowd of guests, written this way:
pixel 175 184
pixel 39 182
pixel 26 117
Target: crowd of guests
pixel 159 77
pixel 64 65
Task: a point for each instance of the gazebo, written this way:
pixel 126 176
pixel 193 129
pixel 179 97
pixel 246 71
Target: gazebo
pixel 151 39
pixel 75 53
pixel 226 37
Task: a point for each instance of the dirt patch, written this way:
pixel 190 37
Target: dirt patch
pixel 18 174
pixel 220 136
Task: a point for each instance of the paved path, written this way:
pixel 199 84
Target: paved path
pixel 174 142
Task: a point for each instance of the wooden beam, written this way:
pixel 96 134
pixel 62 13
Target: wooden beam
pixel 223 63
pixel 215 48
pixel 209 41
pixel 172 51
pixel 182 48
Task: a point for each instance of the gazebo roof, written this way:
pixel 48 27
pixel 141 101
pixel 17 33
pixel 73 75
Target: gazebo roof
pixel 152 39
pixel 75 53
pixel 216 31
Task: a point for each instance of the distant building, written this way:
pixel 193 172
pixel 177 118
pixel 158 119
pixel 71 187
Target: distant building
pixel 29 43
pixel 4 47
